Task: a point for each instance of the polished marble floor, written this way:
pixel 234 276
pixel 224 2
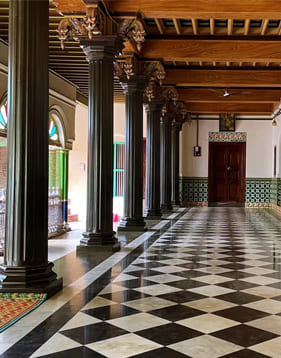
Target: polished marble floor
pixel 205 283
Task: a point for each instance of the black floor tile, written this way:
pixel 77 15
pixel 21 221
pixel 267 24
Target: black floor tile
pixel 240 298
pixel 161 353
pixel 237 285
pixel 237 274
pixel 124 296
pixel 176 313
pixel 79 352
pixel 93 333
pixel 134 283
pixel 245 353
pixel 241 314
pixel 186 284
pixel 111 312
pixel 169 334
pixel 244 335
pixel 182 296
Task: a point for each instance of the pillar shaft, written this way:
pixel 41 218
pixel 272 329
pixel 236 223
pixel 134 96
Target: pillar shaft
pixel 133 189
pixel 26 267
pixel 175 165
pixel 100 54
pixel 152 194
pixel 165 140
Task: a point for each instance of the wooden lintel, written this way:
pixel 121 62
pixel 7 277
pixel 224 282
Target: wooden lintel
pixel 198 9
pixel 224 78
pixel 213 50
pixel 238 108
pixel 239 95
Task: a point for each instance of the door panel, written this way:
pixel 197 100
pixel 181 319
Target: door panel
pixel 227 172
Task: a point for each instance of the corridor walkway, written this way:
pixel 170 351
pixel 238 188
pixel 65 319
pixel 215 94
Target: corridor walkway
pixel 207 286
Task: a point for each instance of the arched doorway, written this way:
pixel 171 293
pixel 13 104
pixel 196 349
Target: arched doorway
pixel 58 173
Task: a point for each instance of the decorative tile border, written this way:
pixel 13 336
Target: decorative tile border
pixel 227 136
pixel 192 204
pixel 193 190
pixel 258 205
pixel 260 192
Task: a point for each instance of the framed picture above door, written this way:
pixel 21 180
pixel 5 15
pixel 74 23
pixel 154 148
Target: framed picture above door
pixel 227 122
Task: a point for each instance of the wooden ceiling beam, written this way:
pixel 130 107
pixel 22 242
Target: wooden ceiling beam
pixel 229 27
pixel 212 26
pixel 177 26
pixel 200 9
pixel 194 26
pixel 247 27
pixel 214 50
pixel 160 26
pixel 238 108
pixel 264 27
pixel 223 78
pixel 241 95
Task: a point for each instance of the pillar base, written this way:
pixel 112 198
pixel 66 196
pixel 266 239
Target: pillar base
pixel 132 224
pixel 152 214
pixel 166 207
pixel 32 279
pixel 101 238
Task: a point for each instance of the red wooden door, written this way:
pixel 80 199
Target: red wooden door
pixel 227 172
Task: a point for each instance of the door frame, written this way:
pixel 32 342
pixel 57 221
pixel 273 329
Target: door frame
pixel 211 192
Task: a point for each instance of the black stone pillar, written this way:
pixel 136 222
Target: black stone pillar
pixel 175 164
pixel 100 53
pixel 133 189
pixel 26 267
pixel 165 140
pixel 152 194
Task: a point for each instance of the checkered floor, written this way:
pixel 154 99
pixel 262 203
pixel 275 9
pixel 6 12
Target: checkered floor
pixel 208 287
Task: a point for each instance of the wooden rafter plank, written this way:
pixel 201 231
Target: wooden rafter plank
pixel 239 108
pixel 212 26
pixel 223 78
pixel 160 26
pixel 247 27
pixel 229 27
pixel 194 26
pixel 215 50
pixel 177 26
pixel 264 27
pixel 279 29
pixel 220 9
pixel 242 95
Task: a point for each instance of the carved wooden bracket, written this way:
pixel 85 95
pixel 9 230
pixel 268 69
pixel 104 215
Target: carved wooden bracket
pixel 97 23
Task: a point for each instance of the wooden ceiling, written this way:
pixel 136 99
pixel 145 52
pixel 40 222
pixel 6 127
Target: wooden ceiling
pixel 204 45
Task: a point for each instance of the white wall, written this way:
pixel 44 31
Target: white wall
pixel 78 158
pixel 258 150
pixel 78 164
pixel 276 141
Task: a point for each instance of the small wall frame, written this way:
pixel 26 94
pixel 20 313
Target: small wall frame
pixel 227 122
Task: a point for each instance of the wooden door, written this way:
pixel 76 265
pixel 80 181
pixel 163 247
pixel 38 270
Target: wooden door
pixel 227 170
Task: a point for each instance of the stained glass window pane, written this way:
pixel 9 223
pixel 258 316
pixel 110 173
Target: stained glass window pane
pixel 53 130
pixel 3 116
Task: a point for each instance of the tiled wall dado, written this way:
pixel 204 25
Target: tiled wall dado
pixel 260 192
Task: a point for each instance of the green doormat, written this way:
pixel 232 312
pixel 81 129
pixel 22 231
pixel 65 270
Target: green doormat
pixel 14 306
